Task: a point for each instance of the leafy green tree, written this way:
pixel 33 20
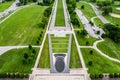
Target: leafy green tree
pixel 90 63
pixel 111 75
pixel 82 7
pixel 83 32
pixel 26 56
pixel 30 46
pixel 91 52
pixel 107 10
pixel 101 75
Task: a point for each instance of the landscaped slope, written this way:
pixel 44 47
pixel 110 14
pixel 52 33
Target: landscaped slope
pixel 96 63
pixel 110 48
pixel 22 27
pixel 12 61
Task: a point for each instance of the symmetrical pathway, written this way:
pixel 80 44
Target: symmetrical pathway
pixel 39 74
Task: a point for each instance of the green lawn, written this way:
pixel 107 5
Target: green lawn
pixel 100 64
pixel 98 22
pixel 112 49
pixel 60 44
pixel 11 61
pixel 60 21
pixel 82 40
pixel 22 27
pixel 113 20
pixel 44 61
pixel 74 57
pixel 87 11
pixel 5 5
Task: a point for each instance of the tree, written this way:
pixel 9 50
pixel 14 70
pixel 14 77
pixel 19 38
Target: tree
pixel 87 42
pixel 82 7
pixel 90 63
pixel 83 32
pixel 91 23
pixel 33 51
pixel 25 2
pixel 101 75
pixel 26 56
pixel 91 51
pixel 116 75
pixel 92 76
pixel 107 10
pixel 113 32
pixel 111 75
pixel 93 1
pixel 30 46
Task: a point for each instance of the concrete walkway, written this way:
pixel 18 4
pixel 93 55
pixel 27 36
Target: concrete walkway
pixel 4 49
pixel 10 9
pixel 99 14
pixel 99 51
pixel 16 9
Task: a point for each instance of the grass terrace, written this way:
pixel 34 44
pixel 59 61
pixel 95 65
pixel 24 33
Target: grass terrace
pixel 60 21
pixel 11 61
pixel 5 5
pixel 112 49
pixel 60 44
pixel 22 27
pixel 100 64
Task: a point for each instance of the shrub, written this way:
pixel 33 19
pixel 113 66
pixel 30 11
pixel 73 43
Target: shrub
pixel 90 63
pixel 101 75
pixel 116 75
pixel 30 46
pixel 111 75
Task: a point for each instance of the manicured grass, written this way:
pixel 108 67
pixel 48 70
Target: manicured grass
pixel 22 27
pixel 113 20
pixel 100 64
pixel 82 40
pixel 98 22
pixel 110 48
pixel 74 57
pixel 114 10
pixel 44 61
pixel 11 61
pixel 5 5
pixel 60 44
pixel 87 11
pixel 60 21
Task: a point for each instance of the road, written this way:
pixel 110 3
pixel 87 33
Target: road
pixel 86 24
pixel 10 9
pixel 99 14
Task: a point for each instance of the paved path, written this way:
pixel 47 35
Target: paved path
pixel 17 9
pixel 90 29
pixel 10 9
pixel 99 51
pixel 4 49
pixel 99 14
